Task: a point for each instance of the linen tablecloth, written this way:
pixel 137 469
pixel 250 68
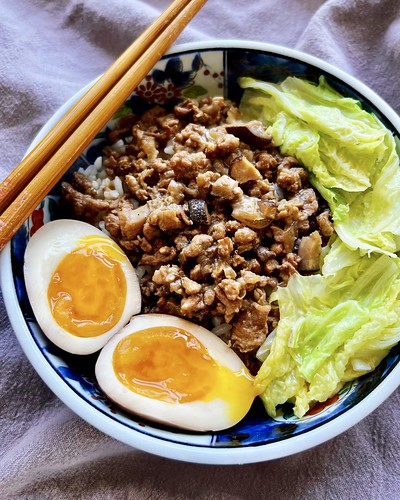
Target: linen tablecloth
pixel 49 49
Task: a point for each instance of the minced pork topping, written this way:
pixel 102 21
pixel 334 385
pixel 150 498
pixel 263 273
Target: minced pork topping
pixel 211 214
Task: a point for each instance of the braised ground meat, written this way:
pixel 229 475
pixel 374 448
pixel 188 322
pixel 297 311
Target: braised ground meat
pixel 213 223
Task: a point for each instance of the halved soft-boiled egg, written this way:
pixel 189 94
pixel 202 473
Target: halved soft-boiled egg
pixel 81 285
pixel 174 372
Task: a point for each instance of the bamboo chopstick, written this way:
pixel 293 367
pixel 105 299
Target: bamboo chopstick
pixel 28 167
pixel 46 164
pixel 34 160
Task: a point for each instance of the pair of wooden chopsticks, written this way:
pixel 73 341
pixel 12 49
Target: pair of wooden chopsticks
pixel 43 167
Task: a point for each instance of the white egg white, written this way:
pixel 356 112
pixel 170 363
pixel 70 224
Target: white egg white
pixel 195 415
pixel 51 243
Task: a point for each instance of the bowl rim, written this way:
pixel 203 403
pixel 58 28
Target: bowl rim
pixel 156 445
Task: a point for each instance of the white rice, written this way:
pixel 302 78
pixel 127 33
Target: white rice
pixel 106 188
pixel 119 146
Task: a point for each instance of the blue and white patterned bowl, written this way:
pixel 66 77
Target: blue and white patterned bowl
pixel 195 71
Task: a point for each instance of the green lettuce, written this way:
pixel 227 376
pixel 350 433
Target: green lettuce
pixel 334 327
pixel 337 325
pixel 349 153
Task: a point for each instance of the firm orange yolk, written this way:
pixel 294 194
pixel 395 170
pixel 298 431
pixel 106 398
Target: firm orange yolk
pixel 87 291
pixel 171 365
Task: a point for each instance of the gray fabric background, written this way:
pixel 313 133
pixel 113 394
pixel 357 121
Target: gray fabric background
pixel 49 49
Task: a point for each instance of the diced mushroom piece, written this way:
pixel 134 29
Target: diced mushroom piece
pixel 310 252
pixel 268 208
pixel 286 236
pixel 252 133
pixel 132 220
pixel 198 212
pixel 243 170
pixel 252 211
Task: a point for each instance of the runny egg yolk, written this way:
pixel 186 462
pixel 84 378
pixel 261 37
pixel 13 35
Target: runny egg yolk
pixel 87 290
pixel 171 365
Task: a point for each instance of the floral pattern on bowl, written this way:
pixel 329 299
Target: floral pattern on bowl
pixel 196 73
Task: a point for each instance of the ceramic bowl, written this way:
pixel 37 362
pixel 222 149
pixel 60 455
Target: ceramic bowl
pixel 194 70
